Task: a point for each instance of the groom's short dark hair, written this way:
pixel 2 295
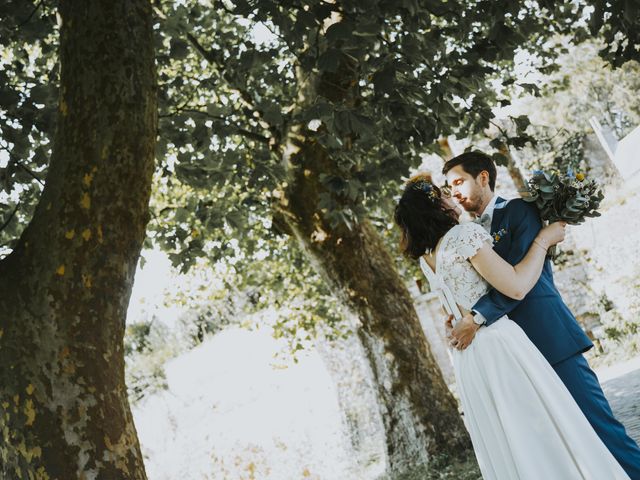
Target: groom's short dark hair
pixel 473 163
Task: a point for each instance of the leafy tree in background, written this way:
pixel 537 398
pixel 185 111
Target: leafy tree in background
pixel 583 86
pixel 28 100
pixel 616 22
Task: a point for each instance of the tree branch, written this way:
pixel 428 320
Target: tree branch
pixel 30 173
pixel 211 57
pixel 247 133
pixel 24 22
pixel 14 159
pixel 246 97
pixel 8 220
pixel 253 135
pixel 208 55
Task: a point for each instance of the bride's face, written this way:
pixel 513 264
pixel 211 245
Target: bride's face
pixel 452 205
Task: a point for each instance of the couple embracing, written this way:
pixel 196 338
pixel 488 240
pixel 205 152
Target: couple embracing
pixel 532 405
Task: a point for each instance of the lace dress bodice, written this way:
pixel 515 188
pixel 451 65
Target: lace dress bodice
pixel 453 268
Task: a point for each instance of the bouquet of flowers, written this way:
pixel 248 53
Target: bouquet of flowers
pixel 570 198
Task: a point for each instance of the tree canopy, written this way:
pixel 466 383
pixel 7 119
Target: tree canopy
pixel 227 97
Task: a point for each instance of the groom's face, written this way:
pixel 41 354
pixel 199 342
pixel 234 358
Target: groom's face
pixel 467 190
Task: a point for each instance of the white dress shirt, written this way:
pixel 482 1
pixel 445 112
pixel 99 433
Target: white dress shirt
pixel 488 211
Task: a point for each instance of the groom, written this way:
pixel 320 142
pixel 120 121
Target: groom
pixel 542 314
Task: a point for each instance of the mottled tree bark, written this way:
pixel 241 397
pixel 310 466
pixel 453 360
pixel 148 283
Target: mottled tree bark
pixel 64 412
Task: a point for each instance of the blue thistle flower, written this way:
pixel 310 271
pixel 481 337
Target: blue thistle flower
pixel 570 173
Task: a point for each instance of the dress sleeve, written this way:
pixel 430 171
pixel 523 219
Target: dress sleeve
pixel 471 238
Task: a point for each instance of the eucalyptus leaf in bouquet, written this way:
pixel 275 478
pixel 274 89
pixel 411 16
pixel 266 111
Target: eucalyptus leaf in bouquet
pixel 570 197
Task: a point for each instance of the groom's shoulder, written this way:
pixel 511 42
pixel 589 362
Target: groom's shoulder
pixel 514 204
pixel 521 208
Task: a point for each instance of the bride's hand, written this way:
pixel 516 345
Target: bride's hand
pixel 552 233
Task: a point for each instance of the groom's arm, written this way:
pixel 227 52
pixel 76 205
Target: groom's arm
pixel 524 225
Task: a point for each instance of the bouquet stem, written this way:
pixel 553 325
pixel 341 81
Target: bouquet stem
pixel 552 252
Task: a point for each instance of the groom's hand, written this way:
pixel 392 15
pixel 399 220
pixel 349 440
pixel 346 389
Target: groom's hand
pixel 463 333
pixel 448 325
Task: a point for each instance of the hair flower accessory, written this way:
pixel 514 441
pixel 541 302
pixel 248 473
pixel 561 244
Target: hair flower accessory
pixel 427 187
pixel 422 182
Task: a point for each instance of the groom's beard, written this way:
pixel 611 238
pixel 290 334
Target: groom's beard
pixel 474 207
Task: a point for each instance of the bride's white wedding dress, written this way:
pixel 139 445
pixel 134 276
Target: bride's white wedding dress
pixel 523 422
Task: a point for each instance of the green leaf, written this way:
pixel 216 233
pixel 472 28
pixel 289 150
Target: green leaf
pixel 214 109
pixel 384 80
pixel 40 157
pixel 272 114
pixel 500 159
pixel 329 61
pixel 360 123
pixel 320 110
pixel 367 29
pixel 8 97
pixel 307 19
pixel 339 31
pixel 179 49
pixel 522 122
pixel 531 88
pixel 41 94
pixel 496 143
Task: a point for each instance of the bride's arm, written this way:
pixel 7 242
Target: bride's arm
pixel 516 281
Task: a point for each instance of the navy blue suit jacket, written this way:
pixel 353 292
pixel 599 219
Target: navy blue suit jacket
pixel 542 314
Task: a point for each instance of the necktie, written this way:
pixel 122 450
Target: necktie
pixel 485 221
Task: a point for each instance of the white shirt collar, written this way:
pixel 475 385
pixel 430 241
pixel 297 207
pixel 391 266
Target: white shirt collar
pixel 488 210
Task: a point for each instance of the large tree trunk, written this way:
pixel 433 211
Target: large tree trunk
pixel 64 412
pixel 514 170
pixel 420 415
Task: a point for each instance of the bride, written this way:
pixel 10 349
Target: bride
pixel 523 422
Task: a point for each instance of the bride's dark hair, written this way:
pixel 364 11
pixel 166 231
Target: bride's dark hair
pixel 422 216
